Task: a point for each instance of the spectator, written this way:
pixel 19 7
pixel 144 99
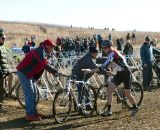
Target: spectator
pixel 128 49
pixel 119 45
pixel 4 69
pixel 29 70
pixel 128 37
pixel 26 48
pixel 146 53
pixel 110 37
pixel 133 37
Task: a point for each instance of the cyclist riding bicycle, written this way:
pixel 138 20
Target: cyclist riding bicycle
pixel 117 62
pixel 29 70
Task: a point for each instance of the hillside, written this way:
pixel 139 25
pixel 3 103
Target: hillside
pixel 16 32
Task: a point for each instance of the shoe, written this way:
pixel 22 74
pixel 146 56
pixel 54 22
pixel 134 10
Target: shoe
pixel 106 113
pixel 134 111
pixel 32 118
pixel 80 110
pixel 145 89
pixel 39 115
pixel 3 110
pixel 89 107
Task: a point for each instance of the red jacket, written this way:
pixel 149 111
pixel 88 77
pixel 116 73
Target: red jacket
pixel 33 62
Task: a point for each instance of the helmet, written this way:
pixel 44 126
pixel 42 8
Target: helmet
pixel 106 43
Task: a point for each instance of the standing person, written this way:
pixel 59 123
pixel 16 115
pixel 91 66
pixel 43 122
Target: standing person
pixel 26 48
pixel 119 45
pixel 86 62
pixel 146 54
pixel 117 62
pixel 128 37
pixel 134 37
pixel 30 69
pixel 3 68
pixel 128 48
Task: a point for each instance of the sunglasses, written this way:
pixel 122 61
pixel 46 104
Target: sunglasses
pixel 106 47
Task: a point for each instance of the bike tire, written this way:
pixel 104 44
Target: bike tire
pixel 92 97
pixel 138 75
pixel 101 99
pixel 21 97
pixel 137 92
pixel 61 111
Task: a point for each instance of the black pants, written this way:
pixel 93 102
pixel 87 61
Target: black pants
pixel 147 76
pixel 2 91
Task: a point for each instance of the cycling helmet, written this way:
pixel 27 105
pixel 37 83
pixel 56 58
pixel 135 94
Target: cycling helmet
pixel 106 43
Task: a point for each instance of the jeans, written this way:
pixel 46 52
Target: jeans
pixel 29 90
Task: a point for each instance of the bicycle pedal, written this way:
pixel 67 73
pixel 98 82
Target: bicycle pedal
pixel 118 101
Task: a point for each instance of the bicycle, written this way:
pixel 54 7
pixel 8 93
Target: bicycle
pixel 62 104
pixel 101 97
pixel 10 91
pixel 43 91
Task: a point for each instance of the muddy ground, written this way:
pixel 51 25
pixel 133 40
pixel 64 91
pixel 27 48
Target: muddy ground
pixel 148 117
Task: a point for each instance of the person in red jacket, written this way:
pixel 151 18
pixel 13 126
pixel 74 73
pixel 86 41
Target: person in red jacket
pixel 29 70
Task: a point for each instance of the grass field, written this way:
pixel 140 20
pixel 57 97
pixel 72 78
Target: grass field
pixel 16 32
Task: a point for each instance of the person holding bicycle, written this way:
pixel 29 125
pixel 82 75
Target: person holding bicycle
pixel 4 69
pixel 86 62
pixel 30 69
pixel 116 61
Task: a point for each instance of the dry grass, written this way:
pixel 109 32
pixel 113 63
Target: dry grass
pixel 16 32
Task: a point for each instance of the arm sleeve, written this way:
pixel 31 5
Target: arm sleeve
pixel 108 61
pixel 50 69
pixel 156 51
pixel 143 55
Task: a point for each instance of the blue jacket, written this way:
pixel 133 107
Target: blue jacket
pixel 146 53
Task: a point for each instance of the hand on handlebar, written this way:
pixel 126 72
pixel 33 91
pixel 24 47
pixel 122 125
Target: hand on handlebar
pixel 109 73
pixel 87 71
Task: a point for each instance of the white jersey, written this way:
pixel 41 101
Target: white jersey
pixel 115 60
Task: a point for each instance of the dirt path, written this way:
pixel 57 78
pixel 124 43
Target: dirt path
pixel 147 118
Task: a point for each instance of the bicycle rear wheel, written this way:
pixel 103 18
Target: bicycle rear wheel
pixel 62 105
pixel 137 92
pixel 21 96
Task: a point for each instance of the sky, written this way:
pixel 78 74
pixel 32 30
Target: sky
pixel 122 15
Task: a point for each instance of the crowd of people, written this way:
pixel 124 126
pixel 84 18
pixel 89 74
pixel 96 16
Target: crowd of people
pixel 32 66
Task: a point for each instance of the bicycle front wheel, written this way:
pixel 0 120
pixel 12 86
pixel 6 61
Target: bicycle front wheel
pixel 90 94
pixel 101 99
pixel 137 92
pixel 62 105
pixel 21 96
